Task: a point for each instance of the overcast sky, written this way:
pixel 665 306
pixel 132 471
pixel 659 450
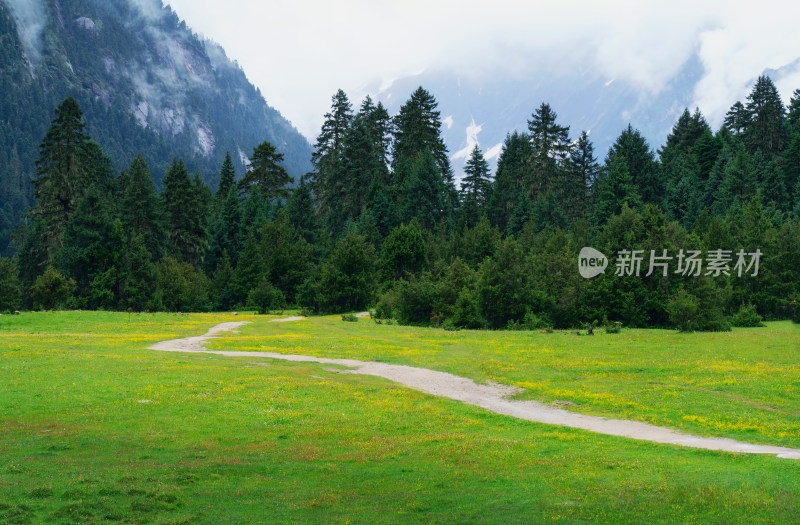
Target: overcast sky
pixel 300 51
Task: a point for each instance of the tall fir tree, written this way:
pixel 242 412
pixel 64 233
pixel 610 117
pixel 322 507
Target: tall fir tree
pixel 422 191
pixel 417 128
pixel 614 189
pixel 582 170
pixel 641 165
pixel 69 163
pixel 475 188
pixel 227 178
pixel 225 231
pixel 766 130
pixel 185 232
pixel 511 178
pixel 266 174
pixel 793 112
pixel 738 182
pixel 327 152
pixel 379 126
pixel 550 146
pixel 737 120
pixel 139 207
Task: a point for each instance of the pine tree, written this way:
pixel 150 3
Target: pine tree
pixel 582 171
pixel 88 248
pixel 140 277
pixel 225 230
pixel 550 147
pixel 227 178
pixel 379 126
pixel 9 286
pixel 685 135
pixel 793 112
pixel 250 269
pixel 300 208
pixel 614 189
pixel 475 188
pixel 327 151
pixel 417 128
pixel 265 173
pixel 511 178
pixel 684 198
pixel 766 130
pixel 771 182
pixel 140 208
pixel 737 120
pixel 223 284
pixel 706 150
pixel 185 231
pixel 790 162
pixel 422 194
pixel 640 163
pixel 738 182
pixel 520 215
pixel 68 164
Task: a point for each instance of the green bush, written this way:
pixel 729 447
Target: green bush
pixel 265 297
pixel 349 318
pixel 383 308
pixel 531 321
pixel 747 317
pixel 51 289
pixel 684 309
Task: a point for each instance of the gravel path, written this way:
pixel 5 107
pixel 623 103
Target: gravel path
pixel 491 397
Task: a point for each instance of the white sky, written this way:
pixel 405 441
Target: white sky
pixel 299 52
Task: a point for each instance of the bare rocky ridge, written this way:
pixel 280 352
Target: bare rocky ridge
pixel 493 397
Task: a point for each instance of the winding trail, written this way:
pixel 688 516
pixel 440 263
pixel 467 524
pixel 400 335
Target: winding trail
pixel 491 397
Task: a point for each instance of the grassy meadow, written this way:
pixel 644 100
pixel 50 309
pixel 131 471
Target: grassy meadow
pixel 96 428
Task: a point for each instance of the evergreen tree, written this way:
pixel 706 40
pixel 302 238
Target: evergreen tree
pixel 327 151
pixel 737 120
pixel 250 269
pixel 520 215
pixel 582 171
pixel 771 182
pixel 684 199
pixel 379 126
pixel 266 174
pixel 9 286
pixel 422 193
pixel 347 280
pixel 790 162
pixel 640 163
pixel 706 150
pixel 417 129
pixel 475 188
pixel 738 182
pixel 139 206
pixel 89 248
pixel 547 212
pixel 685 135
pixel 227 178
pixel 550 147
pixel 224 284
pixel 403 253
pixel 185 231
pixel 300 208
pixel 614 189
pixel 511 178
pixel 766 130
pixel 225 230
pixel 140 277
pixel 69 162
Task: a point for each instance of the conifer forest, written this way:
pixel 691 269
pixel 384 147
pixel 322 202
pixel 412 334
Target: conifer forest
pixel 381 223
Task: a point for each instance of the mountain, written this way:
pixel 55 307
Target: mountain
pixel 484 111
pixel 145 82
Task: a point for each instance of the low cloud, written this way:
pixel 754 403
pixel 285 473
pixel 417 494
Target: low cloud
pixel 300 51
pixel 30 18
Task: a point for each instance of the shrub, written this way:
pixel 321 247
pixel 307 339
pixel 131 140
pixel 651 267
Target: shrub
pixel 383 308
pixel 531 321
pixel 349 318
pixel 51 289
pixel 265 297
pixel 747 317
pixel 683 309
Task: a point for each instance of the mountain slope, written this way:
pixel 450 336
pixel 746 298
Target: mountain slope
pixel 145 82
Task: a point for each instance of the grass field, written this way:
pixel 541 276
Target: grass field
pixel 94 427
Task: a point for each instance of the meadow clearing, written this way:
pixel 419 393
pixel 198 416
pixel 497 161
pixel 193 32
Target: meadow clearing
pixel 96 427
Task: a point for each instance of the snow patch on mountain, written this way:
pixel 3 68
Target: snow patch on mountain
pixel 472 140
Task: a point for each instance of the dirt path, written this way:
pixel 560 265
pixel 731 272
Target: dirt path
pixel 491 397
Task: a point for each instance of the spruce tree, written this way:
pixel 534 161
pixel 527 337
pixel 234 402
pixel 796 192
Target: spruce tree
pixel 737 120
pixel 227 178
pixel 250 269
pixel 640 163
pixel 738 182
pixel 327 151
pixel 422 191
pixel 379 126
pixel 225 231
pixel 140 276
pixel 550 147
pixel 185 231
pixel 582 170
pixel 265 173
pixel 684 198
pixel 475 188
pixel 766 130
pixel 685 135
pixel 511 178
pixel 223 284
pixel 300 208
pixel 69 162
pixel 140 208
pixel 614 189
pixel 9 286
pixel 417 129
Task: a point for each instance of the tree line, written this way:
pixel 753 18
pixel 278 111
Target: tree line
pixel 381 223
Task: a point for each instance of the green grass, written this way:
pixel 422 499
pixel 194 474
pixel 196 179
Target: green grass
pixel 95 428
